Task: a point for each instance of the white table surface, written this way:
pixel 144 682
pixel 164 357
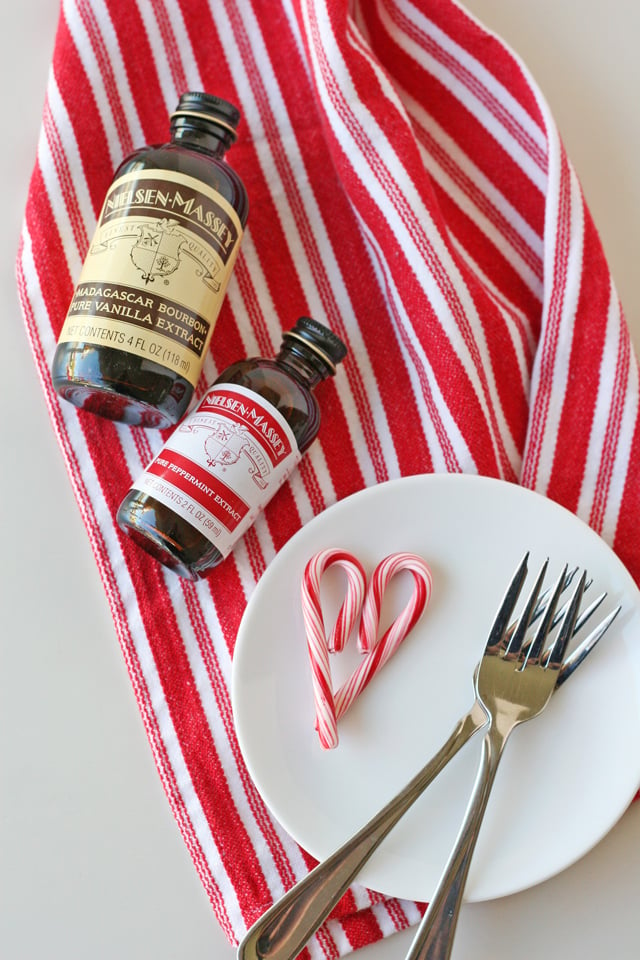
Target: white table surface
pixel 91 862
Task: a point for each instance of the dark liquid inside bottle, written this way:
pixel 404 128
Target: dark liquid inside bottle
pixel 286 383
pixel 121 385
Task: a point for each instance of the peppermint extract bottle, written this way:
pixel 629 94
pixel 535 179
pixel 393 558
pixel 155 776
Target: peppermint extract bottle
pixel 153 281
pixel 226 460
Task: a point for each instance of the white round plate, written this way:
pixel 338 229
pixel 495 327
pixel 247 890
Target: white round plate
pixel 566 777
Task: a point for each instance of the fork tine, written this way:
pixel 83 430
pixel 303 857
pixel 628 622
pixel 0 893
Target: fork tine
pixel 500 626
pixel 541 606
pixel 559 648
pixel 525 619
pixel 588 611
pixel 535 649
pixel 575 658
pixel 544 596
pixel 560 612
pixel 586 614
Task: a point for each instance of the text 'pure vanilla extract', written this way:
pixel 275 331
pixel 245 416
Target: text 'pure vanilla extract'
pixel 153 281
pixel 226 460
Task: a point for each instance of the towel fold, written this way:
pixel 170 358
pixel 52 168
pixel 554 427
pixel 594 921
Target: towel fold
pixel 409 188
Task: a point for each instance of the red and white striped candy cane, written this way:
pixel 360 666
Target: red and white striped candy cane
pixel 319 646
pixel 379 650
pixel 359 599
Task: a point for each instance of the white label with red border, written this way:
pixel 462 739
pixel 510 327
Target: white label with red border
pixel 223 464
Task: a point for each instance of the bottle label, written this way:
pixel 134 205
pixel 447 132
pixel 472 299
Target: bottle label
pixel 223 464
pixel 157 269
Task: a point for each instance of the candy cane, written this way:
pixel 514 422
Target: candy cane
pixel 380 650
pixel 329 706
pixel 317 643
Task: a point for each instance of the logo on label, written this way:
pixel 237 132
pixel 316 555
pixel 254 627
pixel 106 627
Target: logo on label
pixel 227 443
pixel 156 253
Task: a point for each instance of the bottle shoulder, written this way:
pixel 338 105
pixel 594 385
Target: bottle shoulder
pixel 200 164
pixel 260 372
pixel 292 398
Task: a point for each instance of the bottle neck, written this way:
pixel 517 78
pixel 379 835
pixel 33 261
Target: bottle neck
pixel 306 366
pixel 200 135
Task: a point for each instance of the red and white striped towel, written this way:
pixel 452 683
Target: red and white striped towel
pixel 408 187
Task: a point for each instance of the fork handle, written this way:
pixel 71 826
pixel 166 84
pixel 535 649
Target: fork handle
pixel 282 932
pixel 434 938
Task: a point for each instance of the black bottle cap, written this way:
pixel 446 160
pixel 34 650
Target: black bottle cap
pixel 207 107
pixel 321 340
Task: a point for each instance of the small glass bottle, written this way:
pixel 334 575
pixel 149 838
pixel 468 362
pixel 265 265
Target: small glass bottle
pixel 227 459
pixel 152 284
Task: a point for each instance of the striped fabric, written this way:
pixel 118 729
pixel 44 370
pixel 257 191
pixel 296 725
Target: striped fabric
pixel 409 188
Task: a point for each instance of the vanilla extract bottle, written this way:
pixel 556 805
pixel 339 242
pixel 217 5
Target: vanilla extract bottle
pixel 153 281
pixel 226 460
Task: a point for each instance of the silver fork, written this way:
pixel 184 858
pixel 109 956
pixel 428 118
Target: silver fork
pixel 282 931
pixel 514 682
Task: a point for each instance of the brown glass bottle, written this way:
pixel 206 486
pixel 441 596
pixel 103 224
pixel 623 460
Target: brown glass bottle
pixel 154 278
pixel 230 455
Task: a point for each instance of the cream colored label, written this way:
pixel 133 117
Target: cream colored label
pixel 157 270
